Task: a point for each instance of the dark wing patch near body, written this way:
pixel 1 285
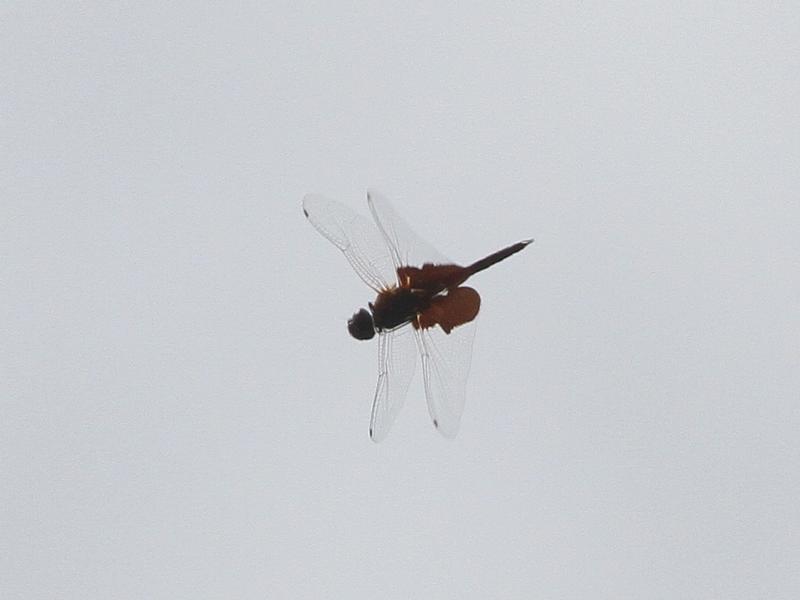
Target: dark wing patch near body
pixel 432 278
pixel 458 306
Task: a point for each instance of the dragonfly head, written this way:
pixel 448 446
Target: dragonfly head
pixel 361 325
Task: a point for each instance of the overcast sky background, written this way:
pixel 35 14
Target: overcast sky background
pixel 182 413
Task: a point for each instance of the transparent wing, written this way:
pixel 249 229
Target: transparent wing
pixel 356 236
pixel 406 246
pixel 397 358
pixel 446 359
pixel 375 253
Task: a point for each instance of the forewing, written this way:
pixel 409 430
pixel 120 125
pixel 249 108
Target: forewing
pixel 446 361
pixel 356 236
pixel 407 247
pixel 397 358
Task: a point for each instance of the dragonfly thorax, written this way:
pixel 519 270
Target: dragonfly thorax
pixel 397 306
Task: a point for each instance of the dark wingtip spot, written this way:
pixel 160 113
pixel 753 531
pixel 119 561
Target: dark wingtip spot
pixel 436 423
pixel 305 212
pixel 370 432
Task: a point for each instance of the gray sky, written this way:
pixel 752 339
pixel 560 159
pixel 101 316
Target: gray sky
pixel 182 413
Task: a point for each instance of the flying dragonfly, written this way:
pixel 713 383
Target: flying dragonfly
pixel 421 307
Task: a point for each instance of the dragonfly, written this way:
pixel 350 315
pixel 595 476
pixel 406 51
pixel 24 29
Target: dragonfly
pixel 421 307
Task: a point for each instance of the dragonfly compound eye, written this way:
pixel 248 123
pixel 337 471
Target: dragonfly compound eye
pixel 361 325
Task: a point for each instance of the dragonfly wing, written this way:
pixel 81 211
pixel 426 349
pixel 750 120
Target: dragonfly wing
pixel 406 246
pixel 357 238
pixel 446 359
pixel 397 359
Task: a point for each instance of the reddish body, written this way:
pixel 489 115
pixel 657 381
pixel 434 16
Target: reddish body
pixel 433 295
